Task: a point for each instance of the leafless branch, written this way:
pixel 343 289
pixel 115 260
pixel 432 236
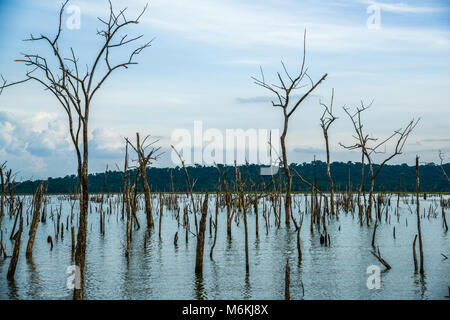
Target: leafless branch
pixel 441 164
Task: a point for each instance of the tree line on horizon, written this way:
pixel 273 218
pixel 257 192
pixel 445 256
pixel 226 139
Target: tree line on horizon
pixel 345 174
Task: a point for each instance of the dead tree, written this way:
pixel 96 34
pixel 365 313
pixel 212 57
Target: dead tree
pixel 188 181
pixel 144 160
pixel 370 146
pixel 74 90
pixel 325 122
pixel 288 102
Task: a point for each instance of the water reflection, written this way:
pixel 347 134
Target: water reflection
pixel 13 290
pixel 200 293
pixel 247 287
pixel 35 283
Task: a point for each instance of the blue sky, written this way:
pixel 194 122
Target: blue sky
pixel 200 66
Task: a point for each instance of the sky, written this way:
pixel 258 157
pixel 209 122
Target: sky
pixel 200 65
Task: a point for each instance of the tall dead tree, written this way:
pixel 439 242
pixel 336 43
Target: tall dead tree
pixel 144 160
pixel 370 146
pixel 325 122
pixel 288 102
pixel 75 89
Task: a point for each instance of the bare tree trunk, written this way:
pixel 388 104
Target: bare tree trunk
pixel 15 256
pixel 161 208
pixel 2 247
pixel 287 201
pixel 299 249
pixel 360 190
pixel 372 184
pixel 80 251
pixel 4 179
pixel 72 230
pixel 255 207
pixel 216 222
pixel 287 282
pixel 146 187
pixel 201 237
pixel 247 266
pixel 374 232
pixel 325 122
pixel 418 216
pixel 382 261
pixel 414 254
pixel 330 179
pixel 444 220
pixel 37 201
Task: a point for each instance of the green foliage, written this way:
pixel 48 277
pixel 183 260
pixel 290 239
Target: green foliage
pixel 205 178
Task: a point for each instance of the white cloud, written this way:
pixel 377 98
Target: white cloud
pixel 106 142
pixel 40 146
pixel 260 24
pixel 403 7
pixel 231 23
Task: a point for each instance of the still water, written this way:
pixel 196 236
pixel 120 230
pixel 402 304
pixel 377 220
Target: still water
pixel 157 269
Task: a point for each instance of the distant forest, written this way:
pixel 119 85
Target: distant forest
pixel 206 177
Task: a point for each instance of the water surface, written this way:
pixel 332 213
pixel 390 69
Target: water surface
pixel 157 269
